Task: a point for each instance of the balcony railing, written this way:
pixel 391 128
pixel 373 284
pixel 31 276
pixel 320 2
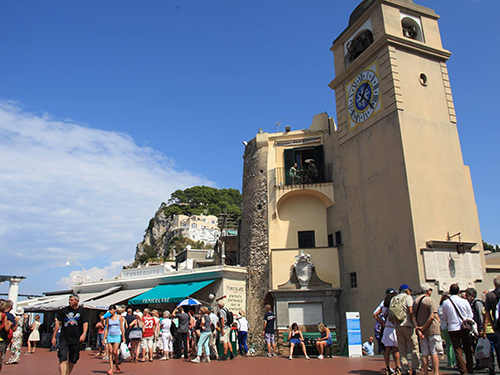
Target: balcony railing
pixel 303 176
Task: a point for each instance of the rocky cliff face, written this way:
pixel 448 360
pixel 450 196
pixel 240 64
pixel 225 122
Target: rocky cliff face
pixel 156 238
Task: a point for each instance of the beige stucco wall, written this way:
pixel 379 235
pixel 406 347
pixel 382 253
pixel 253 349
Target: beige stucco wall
pixel 299 213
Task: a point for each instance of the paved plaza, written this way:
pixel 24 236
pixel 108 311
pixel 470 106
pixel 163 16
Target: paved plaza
pixel 45 362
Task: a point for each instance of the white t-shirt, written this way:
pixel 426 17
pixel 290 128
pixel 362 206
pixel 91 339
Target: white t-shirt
pixel 449 313
pixel 242 324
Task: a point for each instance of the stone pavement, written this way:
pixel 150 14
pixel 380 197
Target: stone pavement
pixel 45 362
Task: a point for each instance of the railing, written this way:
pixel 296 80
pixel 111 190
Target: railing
pixel 302 176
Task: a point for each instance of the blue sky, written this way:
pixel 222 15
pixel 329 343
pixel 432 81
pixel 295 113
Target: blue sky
pixel 108 106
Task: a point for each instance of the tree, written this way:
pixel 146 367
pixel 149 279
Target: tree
pixel 489 247
pixel 204 200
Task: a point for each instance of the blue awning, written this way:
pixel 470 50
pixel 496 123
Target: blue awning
pixel 170 293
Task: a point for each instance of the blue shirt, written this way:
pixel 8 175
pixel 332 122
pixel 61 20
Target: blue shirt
pixel 368 348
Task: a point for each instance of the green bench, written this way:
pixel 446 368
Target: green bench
pixel 311 348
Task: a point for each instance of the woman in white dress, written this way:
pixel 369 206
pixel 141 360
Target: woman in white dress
pixel 34 335
pixel 389 338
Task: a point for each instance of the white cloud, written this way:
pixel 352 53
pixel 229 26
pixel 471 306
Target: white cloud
pixel 70 190
pixel 94 273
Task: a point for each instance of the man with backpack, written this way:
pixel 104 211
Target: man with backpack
pixel 226 319
pixel 401 315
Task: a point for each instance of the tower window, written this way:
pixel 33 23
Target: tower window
pixel 411 27
pixel 306 239
pixel 330 240
pixel 358 44
pixel 354 279
pixel 338 238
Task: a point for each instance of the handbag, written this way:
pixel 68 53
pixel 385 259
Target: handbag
pixel 135 334
pixel 467 324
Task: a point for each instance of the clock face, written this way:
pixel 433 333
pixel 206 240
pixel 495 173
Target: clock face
pixel 363 94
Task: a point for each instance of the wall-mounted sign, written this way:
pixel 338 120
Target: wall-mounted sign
pixel 80 279
pixel 296 142
pixel 236 297
pixel 143 272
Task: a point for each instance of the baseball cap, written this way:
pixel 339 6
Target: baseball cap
pixel 425 287
pixel 404 287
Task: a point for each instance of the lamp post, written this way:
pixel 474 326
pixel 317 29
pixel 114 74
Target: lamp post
pixel 67 263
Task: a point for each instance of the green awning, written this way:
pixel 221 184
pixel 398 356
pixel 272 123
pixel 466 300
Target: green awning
pixel 170 293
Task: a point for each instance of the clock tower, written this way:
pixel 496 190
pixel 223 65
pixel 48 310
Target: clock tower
pixel 404 203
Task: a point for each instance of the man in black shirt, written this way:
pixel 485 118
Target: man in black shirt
pixel 74 324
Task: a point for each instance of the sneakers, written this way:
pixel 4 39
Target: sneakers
pixel 206 359
pixel 223 358
pixel 231 356
pixel 269 355
pixel 163 358
pixel 307 357
pixel 275 355
pixel 196 360
pixel 320 356
pixel 290 358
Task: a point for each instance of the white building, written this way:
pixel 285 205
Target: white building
pixel 197 227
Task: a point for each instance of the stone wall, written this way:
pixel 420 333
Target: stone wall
pixel 254 239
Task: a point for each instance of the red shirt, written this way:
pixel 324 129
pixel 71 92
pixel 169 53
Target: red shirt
pixel 149 326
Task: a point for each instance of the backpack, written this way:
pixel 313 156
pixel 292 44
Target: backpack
pixel 229 317
pixel 396 313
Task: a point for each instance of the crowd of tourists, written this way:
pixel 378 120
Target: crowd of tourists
pixel 464 329
pixel 143 336
pixel 468 324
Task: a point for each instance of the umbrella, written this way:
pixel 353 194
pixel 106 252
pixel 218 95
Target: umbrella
pixel 189 302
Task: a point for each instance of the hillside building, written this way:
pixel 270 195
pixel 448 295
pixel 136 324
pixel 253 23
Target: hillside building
pixel 196 227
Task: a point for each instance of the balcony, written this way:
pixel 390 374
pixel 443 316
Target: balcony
pixel 283 178
pixel 286 186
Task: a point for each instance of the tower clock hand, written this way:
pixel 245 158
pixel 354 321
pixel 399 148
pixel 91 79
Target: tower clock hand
pixel 364 91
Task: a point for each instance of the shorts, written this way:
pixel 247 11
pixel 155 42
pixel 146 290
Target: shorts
pixel 147 342
pixel 431 345
pixel 390 338
pixel 295 341
pixel 269 337
pixel 68 352
pixel 114 339
pixel 225 338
